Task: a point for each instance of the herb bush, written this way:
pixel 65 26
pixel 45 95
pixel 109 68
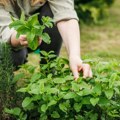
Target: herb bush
pixel 92 10
pixel 52 93
pixel 7 89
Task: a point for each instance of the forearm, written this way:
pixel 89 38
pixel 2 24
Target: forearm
pixel 70 33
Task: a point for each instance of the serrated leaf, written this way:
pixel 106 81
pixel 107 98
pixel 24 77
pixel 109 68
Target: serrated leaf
pixel 52 102
pixel 94 101
pixel 55 114
pixel 52 90
pixel 75 87
pixel 62 107
pixel 47 21
pixel 44 53
pixel 59 80
pixel 46 38
pixel 23 90
pixel 109 93
pixel 97 89
pixel 35 77
pixel 70 95
pixel 22 17
pixel 103 101
pixel 77 107
pixel 34 89
pixel 33 20
pixel 42 87
pixel 18 77
pixel 26 102
pixel 16 24
pixel 15 111
pixel 44 108
pixel 33 44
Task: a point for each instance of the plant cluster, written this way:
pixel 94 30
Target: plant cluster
pixel 32 29
pixel 52 93
pixel 92 10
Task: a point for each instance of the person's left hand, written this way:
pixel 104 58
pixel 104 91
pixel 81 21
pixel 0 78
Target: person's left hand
pixel 77 66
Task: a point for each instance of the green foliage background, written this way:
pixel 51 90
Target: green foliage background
pixel 92 10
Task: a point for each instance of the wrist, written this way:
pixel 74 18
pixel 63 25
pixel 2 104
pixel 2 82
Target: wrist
pixel 73 57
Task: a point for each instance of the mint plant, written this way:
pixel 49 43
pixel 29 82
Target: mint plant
pixel 32 29
pixel 52 93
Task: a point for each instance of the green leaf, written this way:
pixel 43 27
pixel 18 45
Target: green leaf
pixel 59 80
pixel 113 78
pixel 97 89
pixel 16 24
pixel 46 38
pixel 26 102
pixel 22 17
pixel 35 77
pixel 33 44
pixel 18 77
pixel 63 107
pixel 47 21
pixel 70 95
pixel 109 93
pixel 52 102
pixel 104 101
pixel 44 53
pixel 44 108
pixel 94 101
pixel 75 86
pixel 23 90
pixel 33 20
pixel 52 90
pixel 23 30
pixel 42 87
pixel 87 91
pixel 34 89
pixel 31 36
pixel 15 111
pixel 55 114
pixel 77 107
pixel 69 77
pixel 86 101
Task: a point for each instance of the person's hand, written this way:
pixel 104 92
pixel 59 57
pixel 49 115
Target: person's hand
pixel 77 66
pixel 21 41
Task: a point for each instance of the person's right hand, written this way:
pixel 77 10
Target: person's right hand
pixel 21 41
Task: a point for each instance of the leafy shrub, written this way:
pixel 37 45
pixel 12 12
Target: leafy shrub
pixel 52 93
pixel 92 10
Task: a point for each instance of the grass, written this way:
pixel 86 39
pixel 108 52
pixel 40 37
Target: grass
pixel 102 41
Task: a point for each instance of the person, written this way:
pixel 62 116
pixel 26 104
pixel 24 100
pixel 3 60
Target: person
pixel 66 28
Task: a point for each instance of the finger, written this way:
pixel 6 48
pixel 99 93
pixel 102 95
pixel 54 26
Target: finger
pixel 86 69
pixel 23 36
pixel 40 41
pixel 75 73
pixel 80 66
pixel 24 43
pixel 90 73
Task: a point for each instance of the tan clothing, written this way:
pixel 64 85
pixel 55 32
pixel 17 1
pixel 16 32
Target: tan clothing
pixel 62 10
